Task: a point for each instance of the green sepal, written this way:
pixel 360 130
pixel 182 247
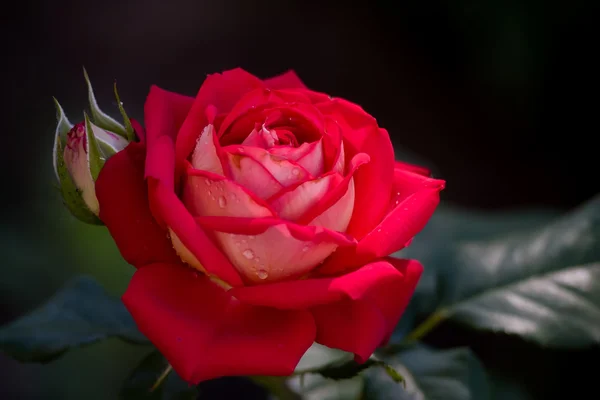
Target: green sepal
pixel 95 162
pixel 100 118
pixel 128 127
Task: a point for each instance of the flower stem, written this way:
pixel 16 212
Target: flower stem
pixel 161 378
pixel 426 326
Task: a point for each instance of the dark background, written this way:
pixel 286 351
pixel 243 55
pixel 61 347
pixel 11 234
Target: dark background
pixel 499 96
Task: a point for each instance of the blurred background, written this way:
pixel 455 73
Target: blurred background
pixel 498 96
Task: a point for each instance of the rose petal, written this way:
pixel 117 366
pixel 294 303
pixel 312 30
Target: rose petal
pixel 273 255
pixel 287 80
pixel 251 174
pixel 354 326
pixel 335 193
pixel 363 325
pixel 212 334
pixel 219 90
pixel 123 197
pixel 417 169
pixel 164 113
pixel 406 220
pixel 214 195
pixel 355 312
pixel 312 292
pixel 294 203
pixel 178 218
pixel 337 217
pixel 256 226
pixel 285 172
pixel 415 199
pixel 374 181
pixel 205 156
pixel 313 160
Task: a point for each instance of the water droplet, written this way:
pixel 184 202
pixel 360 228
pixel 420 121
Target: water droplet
pixel 244 241
pixel 210 193
pixel 295 172
pixel 232 196
pixel 378 229
pixel 238 244
pixel 397 193
pixel 306 248
pixel 251 237
pixel 262 274
pixel 397 202
pixel 330 97
pixel 241 149
pixel 257 260
pixel 249 254
pixel 207 181
pixel 222 201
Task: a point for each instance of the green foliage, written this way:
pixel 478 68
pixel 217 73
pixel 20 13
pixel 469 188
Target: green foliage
pixel 80 314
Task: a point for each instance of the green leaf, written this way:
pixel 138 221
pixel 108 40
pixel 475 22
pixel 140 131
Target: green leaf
pixel 128 128
pixel 99 118
pixel 154 379
pixel 430 375
pixel 315 387
pixel 81 313
pixel 541 284
pixel 93 151
pixel 71 195
pixel 350 369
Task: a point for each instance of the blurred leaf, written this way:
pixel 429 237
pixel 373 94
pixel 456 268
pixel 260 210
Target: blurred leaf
pixel 154 379
pixel 540 284
pixel 435 247
pixel 80 313
pixel 315 387
pixel 100 118
pixel 350 369
pixel 430 375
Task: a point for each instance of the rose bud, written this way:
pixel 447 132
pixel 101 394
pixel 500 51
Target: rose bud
pixel 260 216
pixel 80 152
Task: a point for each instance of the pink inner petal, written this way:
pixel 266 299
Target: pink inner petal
pixel 208 194
pixel 293 204
pixel 273 255
pixel 337 217
pixel 205 156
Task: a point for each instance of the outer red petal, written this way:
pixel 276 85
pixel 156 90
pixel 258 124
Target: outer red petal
pixel 172 211
pixel 414 200
pixel 363 325
pixel 287 80
pixel 355 312
pixel 123 197
pixel 417 169
pixel 205 333
pixel 373 181
pixel 218 90
pixel 164 112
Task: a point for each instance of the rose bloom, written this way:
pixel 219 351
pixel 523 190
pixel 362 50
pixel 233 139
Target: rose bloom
pixel 260 215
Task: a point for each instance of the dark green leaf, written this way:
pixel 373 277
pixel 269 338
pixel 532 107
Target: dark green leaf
pixel 315 387
pixel 541 284
pixel 350 369
pixel 80 313
pixel 153 379
pixel 430 375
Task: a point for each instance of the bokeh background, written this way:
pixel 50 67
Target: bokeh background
pixel 499 97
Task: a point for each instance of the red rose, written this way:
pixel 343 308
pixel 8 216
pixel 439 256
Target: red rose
pixel 259 216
